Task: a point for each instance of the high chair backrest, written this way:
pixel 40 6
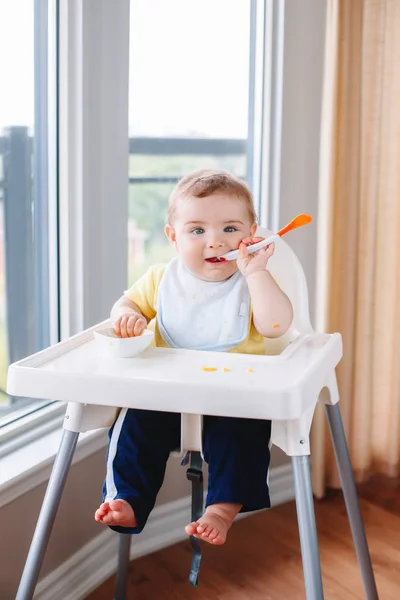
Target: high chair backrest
pixel 287 271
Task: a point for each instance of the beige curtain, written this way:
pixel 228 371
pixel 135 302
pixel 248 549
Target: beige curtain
pixel 359 233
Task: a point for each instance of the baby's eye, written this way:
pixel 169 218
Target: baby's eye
pixel 197 230
pixel 230 229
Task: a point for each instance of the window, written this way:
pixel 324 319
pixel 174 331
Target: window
pixel 28 231
pixel 200 89
pixel 188 107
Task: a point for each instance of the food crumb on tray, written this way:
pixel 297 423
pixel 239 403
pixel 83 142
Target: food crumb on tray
pixel 224 369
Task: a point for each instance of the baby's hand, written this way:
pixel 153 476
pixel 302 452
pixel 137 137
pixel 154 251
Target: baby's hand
pixel 251 263
pixel 130 325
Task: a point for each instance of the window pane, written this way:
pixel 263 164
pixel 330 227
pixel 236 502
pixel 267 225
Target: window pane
pixel 189 88
pixel 24 191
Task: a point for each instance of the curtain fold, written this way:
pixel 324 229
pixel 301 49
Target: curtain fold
pixel 358 272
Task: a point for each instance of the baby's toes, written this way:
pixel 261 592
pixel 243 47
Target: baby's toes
pixel 207 529
pixel 218 538
pixel 191 528
pixel 101 512
pixel 108 519
pixel 214 533
pixel 116 505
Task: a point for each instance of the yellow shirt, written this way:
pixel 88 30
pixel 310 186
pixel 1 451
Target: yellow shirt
pixel 144 293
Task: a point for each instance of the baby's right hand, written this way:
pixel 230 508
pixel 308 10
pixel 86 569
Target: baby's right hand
pixel 130 325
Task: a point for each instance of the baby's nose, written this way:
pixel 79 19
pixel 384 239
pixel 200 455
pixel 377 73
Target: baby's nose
pixel 215 244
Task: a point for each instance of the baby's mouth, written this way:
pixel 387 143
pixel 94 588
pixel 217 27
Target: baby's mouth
pixel 216 259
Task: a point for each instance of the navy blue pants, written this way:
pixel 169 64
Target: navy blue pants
pixel 236 450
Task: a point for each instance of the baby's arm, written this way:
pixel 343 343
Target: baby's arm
pixel 127 317
pixel 272 309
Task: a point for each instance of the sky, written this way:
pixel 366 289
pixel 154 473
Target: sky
pixel 188 66
pixel 16 63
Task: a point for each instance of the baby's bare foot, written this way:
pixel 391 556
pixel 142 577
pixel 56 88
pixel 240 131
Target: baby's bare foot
pixel 116 513
pixel 214 525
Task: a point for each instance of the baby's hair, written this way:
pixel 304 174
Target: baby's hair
pixel 205 182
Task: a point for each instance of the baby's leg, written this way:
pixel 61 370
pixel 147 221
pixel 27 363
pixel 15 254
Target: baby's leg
pixel 237 452
pixel 140 443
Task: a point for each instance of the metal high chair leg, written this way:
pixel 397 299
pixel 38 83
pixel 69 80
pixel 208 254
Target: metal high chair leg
pixel 351 500
pixel 123 566
pixel 307 528
pixel 195 475
pixel 47 515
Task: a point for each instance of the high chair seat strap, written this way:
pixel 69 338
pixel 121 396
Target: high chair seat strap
pixel 195 474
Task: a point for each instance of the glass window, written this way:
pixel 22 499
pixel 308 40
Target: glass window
pixel 25 196
pixel 188 108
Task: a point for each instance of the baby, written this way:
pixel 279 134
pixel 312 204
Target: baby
pixel 198 303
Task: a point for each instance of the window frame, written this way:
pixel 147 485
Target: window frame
pixel 42 260
pixel 93 132
pixel 92 126
pixel 265 107
pixel 93 161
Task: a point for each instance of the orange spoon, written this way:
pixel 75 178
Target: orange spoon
pixel 298 221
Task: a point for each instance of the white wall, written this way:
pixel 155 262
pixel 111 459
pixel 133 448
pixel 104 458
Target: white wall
pixel 302 98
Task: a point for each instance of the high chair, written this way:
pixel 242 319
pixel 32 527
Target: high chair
pixel 284 386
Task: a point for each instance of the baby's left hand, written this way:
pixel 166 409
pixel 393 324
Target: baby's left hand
pixel 251 263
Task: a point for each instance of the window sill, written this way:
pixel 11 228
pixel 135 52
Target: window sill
pixel 24 468
pixel 28 425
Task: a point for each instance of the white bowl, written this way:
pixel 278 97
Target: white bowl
pixel 119 347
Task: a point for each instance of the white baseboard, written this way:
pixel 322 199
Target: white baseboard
pixel 97 561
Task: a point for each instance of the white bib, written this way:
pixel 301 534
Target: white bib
pixel 202 315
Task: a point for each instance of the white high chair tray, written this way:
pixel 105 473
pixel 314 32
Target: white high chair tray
pixel 272 387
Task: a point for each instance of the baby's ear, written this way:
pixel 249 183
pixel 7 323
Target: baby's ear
pixel 170 233
pixel 253 229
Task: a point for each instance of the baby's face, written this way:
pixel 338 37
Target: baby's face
pixel 205 228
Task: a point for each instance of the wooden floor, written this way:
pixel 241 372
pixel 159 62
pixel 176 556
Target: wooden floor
pixel 261 559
